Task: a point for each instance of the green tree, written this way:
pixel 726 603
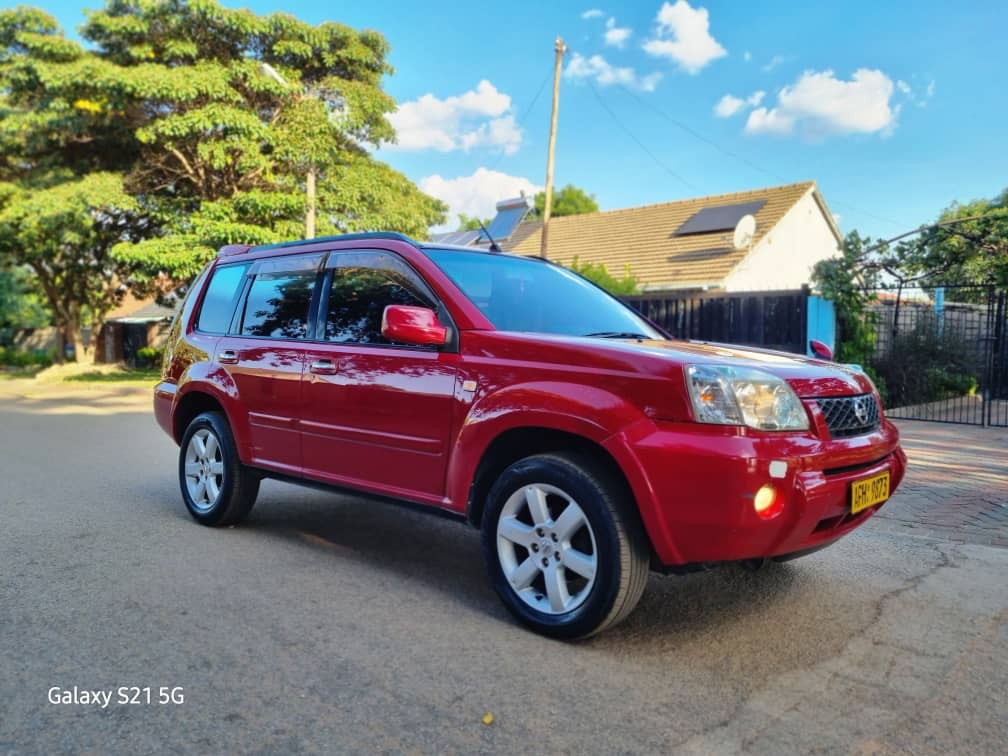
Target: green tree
pixel 600 276
pixel 225 148
pixel 19 306
pixel 64 234
pixel 970 251
pixel 63 157
pixel 194 144
pixel 570 200
pixel 467 223
pixel 849 281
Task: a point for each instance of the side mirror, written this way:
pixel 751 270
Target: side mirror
pixel 820 350
pixel 413 325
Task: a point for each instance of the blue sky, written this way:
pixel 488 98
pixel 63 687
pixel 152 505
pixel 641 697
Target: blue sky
pixel 895 109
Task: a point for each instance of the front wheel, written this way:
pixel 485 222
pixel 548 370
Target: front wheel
pixel 216 487
pixel 564 547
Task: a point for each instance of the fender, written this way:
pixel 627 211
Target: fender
pixel 215 381
pixel 597 415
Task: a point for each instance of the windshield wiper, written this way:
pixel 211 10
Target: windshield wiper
pixel 616 335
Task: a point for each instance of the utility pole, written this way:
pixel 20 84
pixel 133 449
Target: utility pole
pixel 548 204
pixel 310 176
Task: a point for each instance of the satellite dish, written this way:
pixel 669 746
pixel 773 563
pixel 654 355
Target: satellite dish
pixel 745 229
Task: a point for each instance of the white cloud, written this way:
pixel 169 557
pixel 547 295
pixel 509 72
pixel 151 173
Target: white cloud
pixel 477 118
pixel 592 13
pixel 682 34
pixel 616 36
pixel 598 68
pixel 747 56
pixel 771 64
pixel 915 97
pixel 822 104
pixel 729 105
pixel 477 194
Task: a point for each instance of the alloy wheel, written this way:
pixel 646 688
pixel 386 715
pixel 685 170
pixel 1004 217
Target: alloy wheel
pixel 547 548
pixel 204 469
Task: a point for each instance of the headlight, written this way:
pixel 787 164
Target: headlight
pixel 740 396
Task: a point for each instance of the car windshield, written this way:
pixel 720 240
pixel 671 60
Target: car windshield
pixel 525 294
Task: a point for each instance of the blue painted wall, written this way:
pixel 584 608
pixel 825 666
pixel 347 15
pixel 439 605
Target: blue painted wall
pixel 821 323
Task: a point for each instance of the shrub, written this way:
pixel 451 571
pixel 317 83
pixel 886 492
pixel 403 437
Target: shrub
pixel 149 357
pixel 926 365
pixel 20 358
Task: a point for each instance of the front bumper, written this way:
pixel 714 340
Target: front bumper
pixel 697 485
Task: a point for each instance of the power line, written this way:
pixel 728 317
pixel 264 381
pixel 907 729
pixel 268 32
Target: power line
pixel 524 117
pixel 639 143
pixel 696 135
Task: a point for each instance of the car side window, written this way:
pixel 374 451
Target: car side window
pixel 220 298
pixel 278 305
pixel 363 285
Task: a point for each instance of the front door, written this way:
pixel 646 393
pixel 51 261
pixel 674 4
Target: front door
pixel 376 414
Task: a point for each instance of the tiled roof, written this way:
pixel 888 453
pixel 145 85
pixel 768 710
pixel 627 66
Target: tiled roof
pixel 644 239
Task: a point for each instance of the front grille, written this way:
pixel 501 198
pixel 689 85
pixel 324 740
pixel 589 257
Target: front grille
pixel 850 415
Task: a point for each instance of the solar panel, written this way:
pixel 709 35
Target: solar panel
pixel 698 254
pixel 509 214
pixel 463 238
pixel 720 218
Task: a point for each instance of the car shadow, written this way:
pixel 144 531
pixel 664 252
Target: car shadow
pixel 446 555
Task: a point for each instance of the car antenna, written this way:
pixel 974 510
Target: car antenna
pixel 493 244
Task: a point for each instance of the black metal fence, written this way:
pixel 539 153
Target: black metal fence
pixel 771 319
pixel 941 353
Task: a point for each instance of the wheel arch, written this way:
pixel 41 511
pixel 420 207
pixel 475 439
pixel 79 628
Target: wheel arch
pixel 517 443
pixel 192 404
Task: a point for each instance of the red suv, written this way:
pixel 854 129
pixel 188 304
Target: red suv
pixel 586 445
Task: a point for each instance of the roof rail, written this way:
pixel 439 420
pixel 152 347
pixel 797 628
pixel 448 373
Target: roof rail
pixel 230 250
pixel 337 238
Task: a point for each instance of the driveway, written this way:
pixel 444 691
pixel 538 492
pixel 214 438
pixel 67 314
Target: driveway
pixel 330 624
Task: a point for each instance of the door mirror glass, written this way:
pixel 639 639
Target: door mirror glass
pixel 820 350
pixel 413 325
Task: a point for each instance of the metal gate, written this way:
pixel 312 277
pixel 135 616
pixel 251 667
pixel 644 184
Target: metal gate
pixel 941 352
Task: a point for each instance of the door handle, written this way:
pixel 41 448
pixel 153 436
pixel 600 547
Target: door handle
pixel 228 357
pixel 323 367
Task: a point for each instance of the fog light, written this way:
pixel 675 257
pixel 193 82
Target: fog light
pixel 767 504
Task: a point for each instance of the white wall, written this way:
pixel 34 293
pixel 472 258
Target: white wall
pixel 783 259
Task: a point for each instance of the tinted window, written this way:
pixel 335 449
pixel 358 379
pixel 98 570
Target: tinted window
pixel 278 304
pixel 521 294
pixel 363 285
pixel 219 301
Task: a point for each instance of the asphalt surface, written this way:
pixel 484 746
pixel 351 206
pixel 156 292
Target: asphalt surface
pixel 329 624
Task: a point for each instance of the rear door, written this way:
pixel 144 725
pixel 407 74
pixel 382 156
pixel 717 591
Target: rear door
pixel 376 414
pixel 264 353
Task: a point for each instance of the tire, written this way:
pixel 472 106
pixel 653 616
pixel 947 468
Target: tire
pixel 215 468
pixel 589 565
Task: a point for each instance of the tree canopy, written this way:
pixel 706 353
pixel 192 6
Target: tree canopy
pixel 974 250
pixel 599 275
pixel 569 200
pixel 193 145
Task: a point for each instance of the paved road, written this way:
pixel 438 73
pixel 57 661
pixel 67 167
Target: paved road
pixel 332 625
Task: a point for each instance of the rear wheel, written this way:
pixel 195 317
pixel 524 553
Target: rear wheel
pixel 216 487
pixel 564 547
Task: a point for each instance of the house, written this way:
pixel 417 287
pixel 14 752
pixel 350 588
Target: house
pixel 687 244
pixel 132 325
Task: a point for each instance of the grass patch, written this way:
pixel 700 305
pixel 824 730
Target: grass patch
pixel 151 375
pixel 10 373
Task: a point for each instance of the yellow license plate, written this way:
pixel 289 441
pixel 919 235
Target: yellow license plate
pixel 869 492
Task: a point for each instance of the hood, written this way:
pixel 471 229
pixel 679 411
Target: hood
pixel 809 377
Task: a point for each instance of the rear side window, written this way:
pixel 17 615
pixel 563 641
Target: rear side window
pixel 219 301
pixel 278 305
pixel 363 285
